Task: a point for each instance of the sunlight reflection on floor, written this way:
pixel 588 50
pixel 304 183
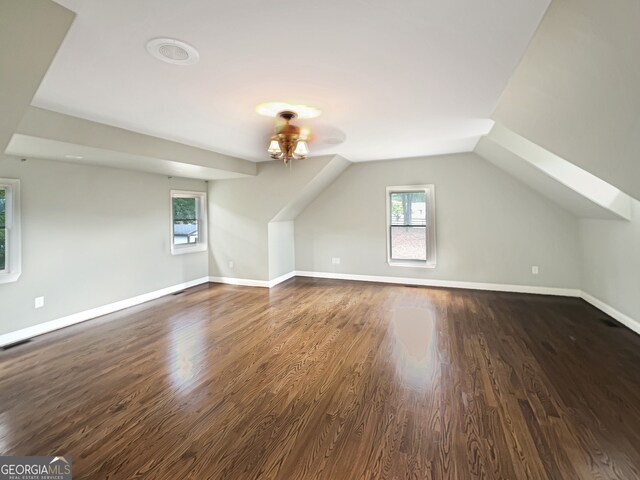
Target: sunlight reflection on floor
pixel 185 354
pixel 413 334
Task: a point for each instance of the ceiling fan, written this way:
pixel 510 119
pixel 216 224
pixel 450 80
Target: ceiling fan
pixel 289 142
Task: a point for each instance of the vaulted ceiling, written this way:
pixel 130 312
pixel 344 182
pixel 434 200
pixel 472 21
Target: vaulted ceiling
pixel 416 81
pixel 401 79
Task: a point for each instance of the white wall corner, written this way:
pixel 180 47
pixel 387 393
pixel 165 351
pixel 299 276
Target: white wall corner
pixel 281 278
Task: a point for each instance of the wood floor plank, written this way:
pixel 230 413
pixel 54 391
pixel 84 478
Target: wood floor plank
pixel 326 379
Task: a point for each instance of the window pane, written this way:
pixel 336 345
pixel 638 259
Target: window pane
pixel 185 221
pixel 3 231
pixel 409 208
pixel 408 243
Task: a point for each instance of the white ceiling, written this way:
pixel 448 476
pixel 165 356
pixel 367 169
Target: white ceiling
pixel 401 79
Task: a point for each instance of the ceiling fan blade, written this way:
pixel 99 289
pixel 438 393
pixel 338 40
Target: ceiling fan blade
pixel 325 136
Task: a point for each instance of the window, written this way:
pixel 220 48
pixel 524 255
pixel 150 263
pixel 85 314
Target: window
pixel 10 254
pixel 188 222
pixel 411 235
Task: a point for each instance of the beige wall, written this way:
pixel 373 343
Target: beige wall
pixel 282 258
pixel 91 236
pixel 490 227
pixel 611 262
pixel 576 94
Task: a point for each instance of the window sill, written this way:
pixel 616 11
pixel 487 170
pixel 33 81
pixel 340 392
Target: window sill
pixel 9 277
pixel 411 264
pixel 178 250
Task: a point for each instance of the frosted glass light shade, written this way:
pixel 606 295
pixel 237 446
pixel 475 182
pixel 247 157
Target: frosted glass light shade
pixel 302 149
pixel 274 147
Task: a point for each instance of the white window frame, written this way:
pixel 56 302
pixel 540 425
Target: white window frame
pixel 201 244
pixel 429 190
pixel 13 251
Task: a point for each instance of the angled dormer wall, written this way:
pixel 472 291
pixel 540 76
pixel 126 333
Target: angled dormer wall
pixel 31 34
pixel 576 94
pixel 250 219
pixel 569 185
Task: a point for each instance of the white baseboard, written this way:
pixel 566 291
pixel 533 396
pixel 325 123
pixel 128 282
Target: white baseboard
pixel 35 330
pixel 564 292
pixel 248 282
pixel 612 312
pixel 245 282
pixel 50 326
pixel 281 278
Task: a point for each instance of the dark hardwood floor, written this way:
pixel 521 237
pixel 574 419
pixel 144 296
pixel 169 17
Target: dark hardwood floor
pixel 334 380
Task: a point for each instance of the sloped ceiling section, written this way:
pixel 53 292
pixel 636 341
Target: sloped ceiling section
pixel 30 34
pixel 54 136
pixel 576 92
pixel 297 203
pixel 573 188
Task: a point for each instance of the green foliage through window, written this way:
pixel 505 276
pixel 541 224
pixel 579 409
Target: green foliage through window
pixel 184 209
pixel 185 220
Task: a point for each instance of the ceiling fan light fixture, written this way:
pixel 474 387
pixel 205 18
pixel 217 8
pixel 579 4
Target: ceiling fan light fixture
pixel 287 143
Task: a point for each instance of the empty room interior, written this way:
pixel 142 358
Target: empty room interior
pixel 336 239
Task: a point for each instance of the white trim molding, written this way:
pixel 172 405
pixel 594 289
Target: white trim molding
pixel 281 278
pixel 427 282
pixel 612 312
pixel 13 241
pixel 247 282
pixel 46 327
pixel 429 226
pixel 244 282
pixel 202 243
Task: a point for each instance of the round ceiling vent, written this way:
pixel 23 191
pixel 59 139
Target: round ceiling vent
pixel 173 51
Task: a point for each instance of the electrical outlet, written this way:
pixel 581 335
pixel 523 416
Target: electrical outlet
pixel 39 302
pixel 230 264
pixel 535 270
pixel 335 260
